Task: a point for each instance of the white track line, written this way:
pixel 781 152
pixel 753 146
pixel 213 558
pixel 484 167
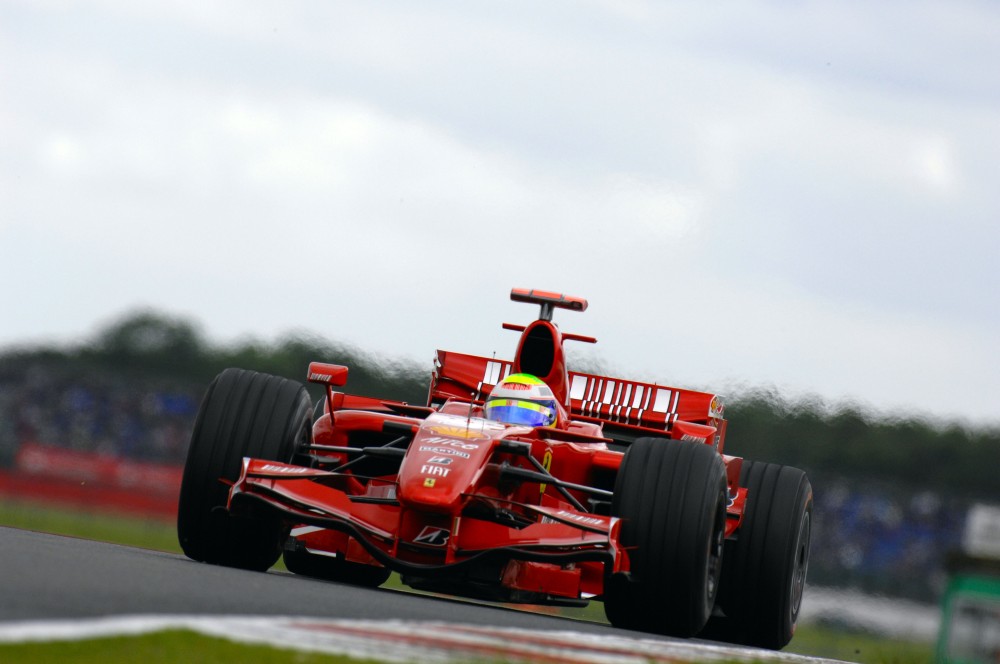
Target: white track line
pixel 400 641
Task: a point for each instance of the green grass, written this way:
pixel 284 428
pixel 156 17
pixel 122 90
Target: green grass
pixel 165 647
pixel 819 641
pixel 812 640
pixel 89 524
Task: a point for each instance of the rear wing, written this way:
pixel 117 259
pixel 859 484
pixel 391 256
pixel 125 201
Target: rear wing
pixel 627 409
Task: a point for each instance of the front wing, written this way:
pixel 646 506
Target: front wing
pixel 424 543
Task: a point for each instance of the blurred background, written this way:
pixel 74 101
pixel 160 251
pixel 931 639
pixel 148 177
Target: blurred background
pixel 792 205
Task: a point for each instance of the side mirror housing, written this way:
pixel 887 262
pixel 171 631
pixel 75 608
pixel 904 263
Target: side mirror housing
pixel 327 374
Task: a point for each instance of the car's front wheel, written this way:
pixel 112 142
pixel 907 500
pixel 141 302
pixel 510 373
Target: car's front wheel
pixel 671 497
pixel 243 414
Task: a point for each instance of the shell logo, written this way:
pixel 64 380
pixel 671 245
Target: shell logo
pixel 716 408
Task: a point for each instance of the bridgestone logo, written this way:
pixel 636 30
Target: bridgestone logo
pixel 291 470
pixel 432 536
pixel 579 518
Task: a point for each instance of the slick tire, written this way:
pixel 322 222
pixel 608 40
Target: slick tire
pixel 243 414
pixel 299 561
pixel 764 572
pixel 318 410
pixel 671 498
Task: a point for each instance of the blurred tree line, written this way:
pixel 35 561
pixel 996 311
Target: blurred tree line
pixel 911 452
pixel 151 344
pixel 849 442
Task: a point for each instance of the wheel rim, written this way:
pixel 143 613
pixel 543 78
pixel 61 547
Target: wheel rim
pixel 801 565
pixel 715 552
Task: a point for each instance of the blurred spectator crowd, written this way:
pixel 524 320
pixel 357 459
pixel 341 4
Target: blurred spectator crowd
pixel 109 414
pixel 883 540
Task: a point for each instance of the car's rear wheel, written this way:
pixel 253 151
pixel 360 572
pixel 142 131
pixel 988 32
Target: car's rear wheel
pixel 765 567
pixel 300 561
pixel 671 498
pixel 243 414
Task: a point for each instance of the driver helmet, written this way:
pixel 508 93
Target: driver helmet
pixel 522 399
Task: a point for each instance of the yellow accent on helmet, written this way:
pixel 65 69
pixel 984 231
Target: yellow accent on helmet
pixel 524 379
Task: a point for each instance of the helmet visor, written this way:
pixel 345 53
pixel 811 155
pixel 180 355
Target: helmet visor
pixel 518 411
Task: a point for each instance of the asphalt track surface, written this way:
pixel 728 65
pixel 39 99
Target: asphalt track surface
pixel 52 577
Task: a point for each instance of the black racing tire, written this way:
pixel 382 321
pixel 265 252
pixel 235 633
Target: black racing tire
pixel 299 561
pixel 671 498
pixel 318 410
pixel 243 414
pixel 764 572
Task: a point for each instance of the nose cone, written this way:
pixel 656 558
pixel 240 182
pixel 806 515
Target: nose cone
pixel 445 460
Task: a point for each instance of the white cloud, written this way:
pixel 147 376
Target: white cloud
pixel 734 207
pixel 935 165
pixel 62 155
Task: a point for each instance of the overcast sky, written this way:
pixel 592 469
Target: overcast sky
pixel 797 195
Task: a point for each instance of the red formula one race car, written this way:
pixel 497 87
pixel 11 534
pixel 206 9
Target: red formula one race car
pixel 518 481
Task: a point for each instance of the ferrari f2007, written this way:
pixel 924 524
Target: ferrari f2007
pixel 517 481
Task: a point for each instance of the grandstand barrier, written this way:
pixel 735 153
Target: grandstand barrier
pixel 92 481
